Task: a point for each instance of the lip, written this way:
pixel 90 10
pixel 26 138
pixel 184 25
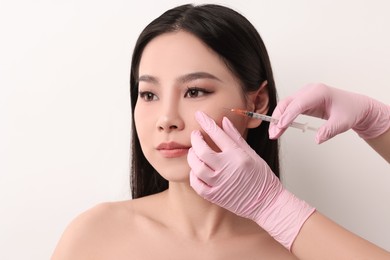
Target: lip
pixel 172 149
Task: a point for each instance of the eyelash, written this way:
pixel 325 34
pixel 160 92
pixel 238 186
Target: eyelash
pixel 145 95
pixel 205 91
pixel 149 96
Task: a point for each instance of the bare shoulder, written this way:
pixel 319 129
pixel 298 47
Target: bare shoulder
pixel 129 229
pixel 101 230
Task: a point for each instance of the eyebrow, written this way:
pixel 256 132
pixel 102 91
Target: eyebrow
pixel 182 79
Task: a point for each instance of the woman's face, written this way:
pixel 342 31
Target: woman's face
pixel 179 75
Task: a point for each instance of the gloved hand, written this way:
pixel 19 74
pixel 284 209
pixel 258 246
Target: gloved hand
pixel 344 110
pixel 239 180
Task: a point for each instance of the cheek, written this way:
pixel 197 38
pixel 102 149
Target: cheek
pixel 137 121
pixel 142 124
pixel 238 121
pixel 218 111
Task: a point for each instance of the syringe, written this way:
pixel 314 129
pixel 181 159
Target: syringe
pixel 302 126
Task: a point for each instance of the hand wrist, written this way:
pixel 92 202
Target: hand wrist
pixel 284 218
pixel 376 122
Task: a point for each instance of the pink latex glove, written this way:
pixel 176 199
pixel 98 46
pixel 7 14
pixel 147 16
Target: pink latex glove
pixel 239 180
pixel 344 110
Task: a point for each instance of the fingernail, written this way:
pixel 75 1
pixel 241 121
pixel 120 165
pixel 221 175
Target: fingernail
pixel 320 139
pixel 228 125
pixel 206 122
pixel 227 122
pixel 322 135
pixel 196 133
pixel 280 123
pixel 272 132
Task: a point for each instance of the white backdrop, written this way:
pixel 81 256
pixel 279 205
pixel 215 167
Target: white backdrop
pixel 65 117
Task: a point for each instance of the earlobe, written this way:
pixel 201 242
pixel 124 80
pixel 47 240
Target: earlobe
pixel 259 103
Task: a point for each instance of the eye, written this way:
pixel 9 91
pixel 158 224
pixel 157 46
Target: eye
pixel 147 96
pixel 196 92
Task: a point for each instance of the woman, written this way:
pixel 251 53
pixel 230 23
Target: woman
pixel 206 58
pixel 184 61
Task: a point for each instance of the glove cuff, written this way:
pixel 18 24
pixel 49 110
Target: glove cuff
pixel 285 217
pixel 376 122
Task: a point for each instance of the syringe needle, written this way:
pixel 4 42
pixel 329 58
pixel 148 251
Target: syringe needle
pixel 302 126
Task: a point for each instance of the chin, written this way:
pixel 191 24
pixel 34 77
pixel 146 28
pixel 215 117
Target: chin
pixel 174 171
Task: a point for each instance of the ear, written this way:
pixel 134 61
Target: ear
pixel 258 102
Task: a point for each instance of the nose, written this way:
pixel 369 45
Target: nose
pixel 170 120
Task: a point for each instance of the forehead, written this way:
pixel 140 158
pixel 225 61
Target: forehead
pixel 181 53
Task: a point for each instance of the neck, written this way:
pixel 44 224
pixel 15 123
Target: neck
pixel 196 216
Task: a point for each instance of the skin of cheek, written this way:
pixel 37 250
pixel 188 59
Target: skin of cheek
pixel 173 169
pixel 177 169
pixel 217 112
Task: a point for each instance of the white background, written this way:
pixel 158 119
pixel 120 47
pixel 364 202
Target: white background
pixel 65 117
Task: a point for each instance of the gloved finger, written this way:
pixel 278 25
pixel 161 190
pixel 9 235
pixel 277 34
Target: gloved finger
pixel 220 138
pixel 230 130
pixel 274 131
pixel 199 186
pixel 203 151
pixel 294 109
pixel 281 107
pixel 201 170
pixel 331 128
pixel 308 101
pixel 233 133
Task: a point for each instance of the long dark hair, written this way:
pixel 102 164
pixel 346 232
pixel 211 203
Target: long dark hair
pixel 238 43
